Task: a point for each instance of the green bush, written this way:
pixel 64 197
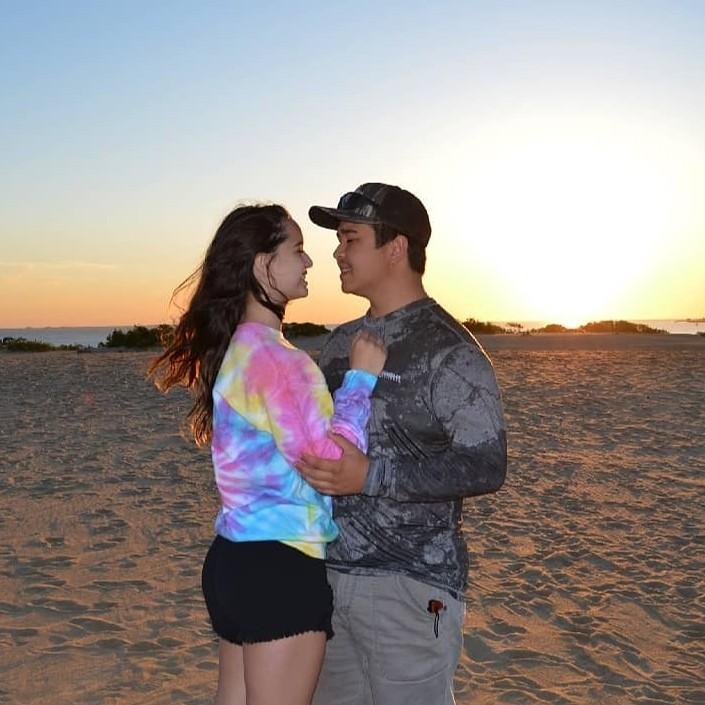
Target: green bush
pixel 619 327
pixel 24 345
pixel 137 337
pixel 601 327
pixel 140 337
pixel 554 328
pixel 483 328
pixel 303 330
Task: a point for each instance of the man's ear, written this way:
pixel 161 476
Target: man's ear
pixel 399 248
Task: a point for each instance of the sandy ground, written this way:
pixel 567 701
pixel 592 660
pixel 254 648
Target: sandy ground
pixel 587 570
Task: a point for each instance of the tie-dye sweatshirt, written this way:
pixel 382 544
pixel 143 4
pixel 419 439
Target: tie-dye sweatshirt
pixel 271 404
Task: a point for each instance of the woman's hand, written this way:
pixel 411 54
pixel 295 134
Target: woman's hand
pixel 368 353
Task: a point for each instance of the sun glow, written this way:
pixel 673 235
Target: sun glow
pixel 570 215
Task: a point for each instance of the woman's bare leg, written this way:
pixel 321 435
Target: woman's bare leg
pixel 231 675
pixel 284 671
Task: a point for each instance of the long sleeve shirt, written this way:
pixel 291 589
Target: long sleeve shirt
pixel 271 404
pixel 436 435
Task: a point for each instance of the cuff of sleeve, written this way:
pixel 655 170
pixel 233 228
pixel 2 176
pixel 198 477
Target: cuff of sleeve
pixel 374 483
pixel 360 379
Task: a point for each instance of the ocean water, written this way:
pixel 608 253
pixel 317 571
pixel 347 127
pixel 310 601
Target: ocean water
pixel 93 335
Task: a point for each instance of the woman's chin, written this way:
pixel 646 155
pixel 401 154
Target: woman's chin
pixel 301 293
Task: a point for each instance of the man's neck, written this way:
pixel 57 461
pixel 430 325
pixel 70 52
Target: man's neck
pixel 394 296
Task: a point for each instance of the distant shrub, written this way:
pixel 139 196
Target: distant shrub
pixel 619 327
pixel 24 345
pixel 165 333
pixel 140 337
pixel 483 328
pixel 136 337
pixel 303 330
pixel 554 328
pixel 601 327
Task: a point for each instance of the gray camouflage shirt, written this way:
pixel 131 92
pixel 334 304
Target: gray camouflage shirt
pixel 436 435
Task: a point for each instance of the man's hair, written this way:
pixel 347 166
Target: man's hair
pixel 416 251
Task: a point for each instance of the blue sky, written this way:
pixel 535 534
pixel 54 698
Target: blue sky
pixel 129 130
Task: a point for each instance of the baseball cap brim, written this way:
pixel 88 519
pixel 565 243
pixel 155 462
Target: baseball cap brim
pixel 332 217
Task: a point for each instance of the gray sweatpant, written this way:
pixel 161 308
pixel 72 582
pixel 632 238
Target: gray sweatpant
pixel 385 650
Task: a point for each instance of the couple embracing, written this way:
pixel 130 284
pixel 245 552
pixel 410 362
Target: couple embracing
pixel 338 568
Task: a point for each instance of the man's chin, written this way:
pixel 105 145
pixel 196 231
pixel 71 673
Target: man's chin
pixel 353 291
pixel 346 284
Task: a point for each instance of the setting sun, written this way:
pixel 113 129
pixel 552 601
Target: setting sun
pixel 571 213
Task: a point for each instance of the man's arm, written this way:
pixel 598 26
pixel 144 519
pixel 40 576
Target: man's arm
pixel 453 474
pixel 466 401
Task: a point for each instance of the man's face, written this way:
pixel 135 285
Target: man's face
pixel 363 266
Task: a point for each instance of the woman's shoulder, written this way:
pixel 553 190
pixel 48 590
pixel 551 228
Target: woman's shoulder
pixel 273 361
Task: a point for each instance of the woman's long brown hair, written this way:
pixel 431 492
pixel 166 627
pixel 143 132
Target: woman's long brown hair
pixel 222 283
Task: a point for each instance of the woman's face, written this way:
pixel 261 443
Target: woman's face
pixel 287 268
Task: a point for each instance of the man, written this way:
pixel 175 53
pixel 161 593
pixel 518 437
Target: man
pixel 436 435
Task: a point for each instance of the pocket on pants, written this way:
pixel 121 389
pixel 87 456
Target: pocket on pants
pixel 406 647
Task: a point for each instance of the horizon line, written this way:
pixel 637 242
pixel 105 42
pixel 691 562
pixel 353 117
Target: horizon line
pixel 675 319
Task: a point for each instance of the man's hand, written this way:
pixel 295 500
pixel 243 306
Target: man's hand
pixel 336 477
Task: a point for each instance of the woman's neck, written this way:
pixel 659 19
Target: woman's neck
pixel 256 313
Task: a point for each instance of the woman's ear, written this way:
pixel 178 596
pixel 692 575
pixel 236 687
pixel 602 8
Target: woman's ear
pixel 260 269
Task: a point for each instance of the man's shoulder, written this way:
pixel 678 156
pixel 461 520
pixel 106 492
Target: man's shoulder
pixel 347 328
pixel 457 355
pixel 341 334
pixel 441 330
pixel 446 345
pixel 337 346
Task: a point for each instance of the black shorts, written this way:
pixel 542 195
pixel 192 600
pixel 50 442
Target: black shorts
pixel 259 591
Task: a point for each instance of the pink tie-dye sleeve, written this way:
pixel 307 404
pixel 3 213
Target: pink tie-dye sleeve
pixel 299 405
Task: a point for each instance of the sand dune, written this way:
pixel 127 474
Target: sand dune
pixel 587 571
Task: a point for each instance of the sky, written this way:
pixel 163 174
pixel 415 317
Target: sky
pixel 558 147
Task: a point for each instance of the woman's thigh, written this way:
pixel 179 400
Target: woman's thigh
pixel 284 670
pixel 231 675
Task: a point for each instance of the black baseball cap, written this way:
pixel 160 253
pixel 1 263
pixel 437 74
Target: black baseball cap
pixel 374 204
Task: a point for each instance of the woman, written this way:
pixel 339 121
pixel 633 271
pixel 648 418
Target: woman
pixel 261 402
